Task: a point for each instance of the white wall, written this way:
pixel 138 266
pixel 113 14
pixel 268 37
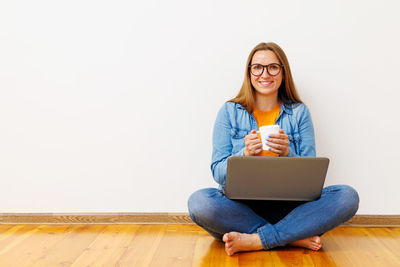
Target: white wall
pixel 108 106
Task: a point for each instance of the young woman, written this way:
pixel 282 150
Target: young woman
pixel 268 96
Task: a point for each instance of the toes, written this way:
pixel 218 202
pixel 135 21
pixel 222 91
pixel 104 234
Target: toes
pixel 229 251
pixel 312 247
pixel 316 239
pixel 317 247
pixel 318 243
pixel 228 237
pixel 228 245
pixel 225 238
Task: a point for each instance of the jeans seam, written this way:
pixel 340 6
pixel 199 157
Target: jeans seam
pixel 262 238
pixel 285 218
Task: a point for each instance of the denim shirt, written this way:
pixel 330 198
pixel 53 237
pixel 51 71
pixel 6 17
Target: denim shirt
pixel 233 123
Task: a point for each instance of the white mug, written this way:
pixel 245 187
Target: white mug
pixel 264 131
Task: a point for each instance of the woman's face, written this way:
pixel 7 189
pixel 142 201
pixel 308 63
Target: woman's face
pixel 265 84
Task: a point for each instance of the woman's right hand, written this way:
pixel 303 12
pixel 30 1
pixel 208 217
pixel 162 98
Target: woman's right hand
pixel 253 144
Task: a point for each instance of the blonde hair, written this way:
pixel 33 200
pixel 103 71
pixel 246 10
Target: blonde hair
pixel 287 92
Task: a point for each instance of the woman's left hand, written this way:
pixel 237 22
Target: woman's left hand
pixel 279 143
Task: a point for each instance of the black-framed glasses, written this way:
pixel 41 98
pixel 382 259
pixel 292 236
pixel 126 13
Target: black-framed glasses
pixel 272 69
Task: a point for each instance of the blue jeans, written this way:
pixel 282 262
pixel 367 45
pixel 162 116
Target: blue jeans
pixel 276 222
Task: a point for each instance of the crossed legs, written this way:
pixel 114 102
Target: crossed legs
pixel 241 228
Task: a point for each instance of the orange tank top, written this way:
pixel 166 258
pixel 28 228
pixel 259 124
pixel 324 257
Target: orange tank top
pixel 264 118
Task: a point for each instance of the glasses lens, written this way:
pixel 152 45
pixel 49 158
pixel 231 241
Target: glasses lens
pixel 256 69
pixel 274 69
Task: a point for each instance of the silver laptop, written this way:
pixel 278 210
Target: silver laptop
pixel 275 178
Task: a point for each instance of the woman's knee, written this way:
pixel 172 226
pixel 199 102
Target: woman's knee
pixel 200 204
pixel 348 199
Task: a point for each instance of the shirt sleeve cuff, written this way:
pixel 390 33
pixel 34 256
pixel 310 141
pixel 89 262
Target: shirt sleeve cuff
pixel 292 154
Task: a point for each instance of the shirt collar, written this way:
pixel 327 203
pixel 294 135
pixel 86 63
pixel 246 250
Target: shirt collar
pixel 286 109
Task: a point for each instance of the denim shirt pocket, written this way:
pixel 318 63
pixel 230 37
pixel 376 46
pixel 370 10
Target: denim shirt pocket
pixel 294 142
pixel 237 137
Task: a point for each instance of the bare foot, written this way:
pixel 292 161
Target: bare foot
pixel 313 243
pixel 235 242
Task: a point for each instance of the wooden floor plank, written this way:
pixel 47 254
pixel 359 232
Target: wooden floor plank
pixel 321 258
pixel 384 244
pixel 291 256
pixel 169 254
pixel 35 245
pixel 65 252
pixel 183 245
pixel 10 233
pixel 143 246
pixel 14 236
pixel 258 259
pixel 355 241
pixel 336 251
pixel 5 227
pixel 109 245
pixel 200 255
pixel 389 238
pixel 212 253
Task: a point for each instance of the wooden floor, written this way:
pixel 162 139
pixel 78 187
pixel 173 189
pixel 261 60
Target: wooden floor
pixel 182 245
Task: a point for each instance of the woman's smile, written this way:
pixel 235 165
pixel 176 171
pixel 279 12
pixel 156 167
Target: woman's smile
pixel 265 83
